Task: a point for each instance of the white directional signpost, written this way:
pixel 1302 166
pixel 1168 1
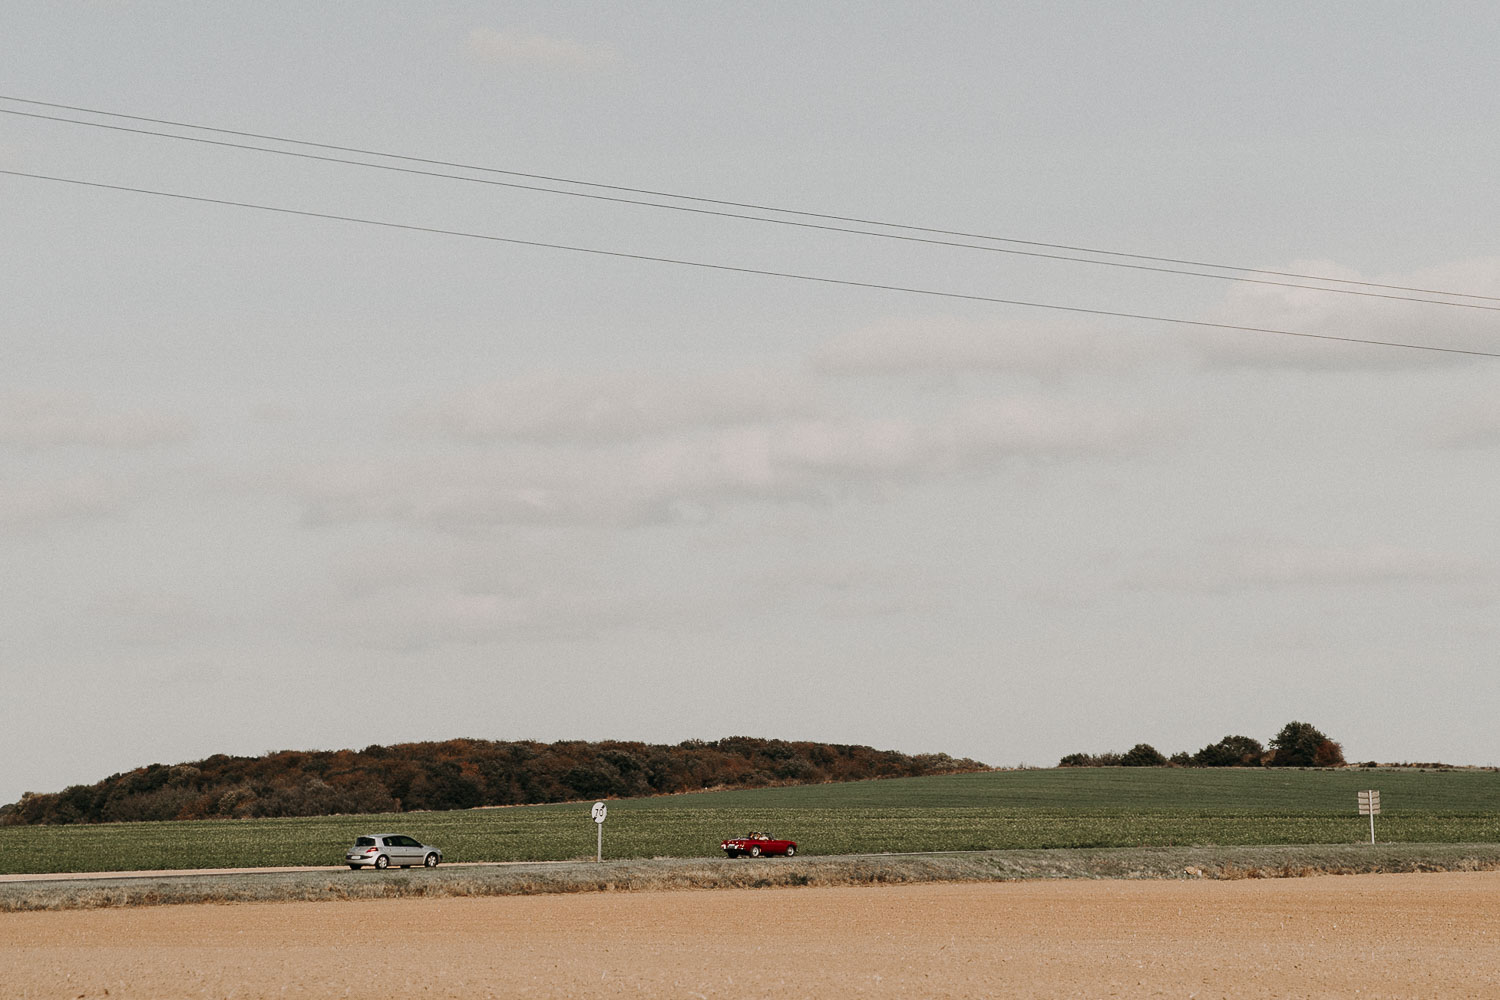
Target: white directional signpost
pixel 1369 805
pixel 600 811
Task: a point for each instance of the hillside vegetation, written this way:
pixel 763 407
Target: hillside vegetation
pixel 993 810
pixel 458 774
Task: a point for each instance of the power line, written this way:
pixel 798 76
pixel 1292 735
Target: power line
pixel 1240 277
pixel 705 265
pixel 751 218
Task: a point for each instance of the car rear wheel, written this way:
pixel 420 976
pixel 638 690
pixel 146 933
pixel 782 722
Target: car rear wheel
pixel 430 861
pixel 755 851
pixel 791 849
pixel 382 862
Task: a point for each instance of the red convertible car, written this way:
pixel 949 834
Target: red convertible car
pixel 755 844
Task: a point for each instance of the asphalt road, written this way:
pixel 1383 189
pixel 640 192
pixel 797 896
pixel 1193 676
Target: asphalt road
pixel 80 876
pixel 167 873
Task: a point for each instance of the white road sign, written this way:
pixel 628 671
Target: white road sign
pixel 1369 805
pixel 599 811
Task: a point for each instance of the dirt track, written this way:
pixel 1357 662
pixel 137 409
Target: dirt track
pixel 1419 936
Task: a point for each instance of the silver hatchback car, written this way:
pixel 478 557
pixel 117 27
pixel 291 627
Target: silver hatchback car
pixel 382 850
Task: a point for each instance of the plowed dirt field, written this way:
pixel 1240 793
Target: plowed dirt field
pixel 1380 936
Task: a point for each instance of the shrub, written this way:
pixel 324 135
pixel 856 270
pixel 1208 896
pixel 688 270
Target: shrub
pixel 1106 759
pixel 1301 744
pixel 1231 751
pixel 1328 754
pixel 1143 755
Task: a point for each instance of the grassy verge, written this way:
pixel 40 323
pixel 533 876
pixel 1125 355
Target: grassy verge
pixel 695 873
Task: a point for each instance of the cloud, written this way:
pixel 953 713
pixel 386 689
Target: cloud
pixel 1474 426
pixel 1263 564
pixel 851 590
pixel 1304 311
pixel 42 420
pixel 43 500
pixel 516 49
pixel 421 617
pixel 1040 427
pixel 942 344
pixel 668 477
pixel 405 595
pixel 152 618
pixel 610 407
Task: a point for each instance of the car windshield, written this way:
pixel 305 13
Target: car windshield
pixel 364 842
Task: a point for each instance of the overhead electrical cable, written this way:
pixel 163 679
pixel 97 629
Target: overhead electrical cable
pixel 1240 276
pixel 756 218
pixel 706 265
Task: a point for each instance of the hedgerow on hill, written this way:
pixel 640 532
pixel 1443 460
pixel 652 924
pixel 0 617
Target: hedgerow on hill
pixel 459 774
pixel 1298 744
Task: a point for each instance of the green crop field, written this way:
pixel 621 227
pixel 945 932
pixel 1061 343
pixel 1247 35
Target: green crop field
pixel 1072 808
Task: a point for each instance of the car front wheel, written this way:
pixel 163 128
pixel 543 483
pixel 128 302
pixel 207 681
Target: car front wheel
pixel 382 862
pixel 430 861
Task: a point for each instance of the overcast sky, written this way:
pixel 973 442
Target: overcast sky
pixel 270 481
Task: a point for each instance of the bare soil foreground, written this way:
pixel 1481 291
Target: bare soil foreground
pixel 1382 936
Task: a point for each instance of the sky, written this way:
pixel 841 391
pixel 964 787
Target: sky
pixel 274 481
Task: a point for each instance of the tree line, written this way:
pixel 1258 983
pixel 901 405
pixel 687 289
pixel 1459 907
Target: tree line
pixel 459 774
pixel 1298 744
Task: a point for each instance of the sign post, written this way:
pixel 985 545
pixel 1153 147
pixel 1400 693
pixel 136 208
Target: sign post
pixel 1369 805
pixel 600 811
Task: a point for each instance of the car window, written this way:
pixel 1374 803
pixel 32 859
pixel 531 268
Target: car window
pixel 364 842
pixel 403 842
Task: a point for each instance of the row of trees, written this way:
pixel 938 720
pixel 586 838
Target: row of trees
pixel 1299 744
pixel 459 774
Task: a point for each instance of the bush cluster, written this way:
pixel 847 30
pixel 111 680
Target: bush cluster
pixel 459 774
pixel 1298 744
